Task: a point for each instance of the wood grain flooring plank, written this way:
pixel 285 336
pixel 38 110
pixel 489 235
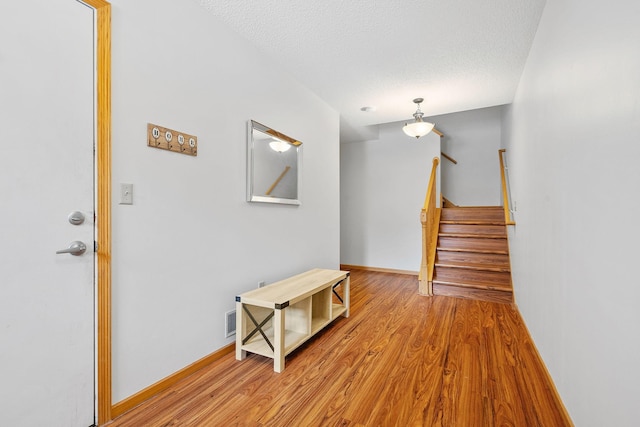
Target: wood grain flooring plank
pixel 430 371
pixel 380 355
pixel 408 339
pixel 400 359
pixel 459 399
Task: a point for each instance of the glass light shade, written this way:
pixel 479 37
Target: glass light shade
pixel 418 129
pixel 279 146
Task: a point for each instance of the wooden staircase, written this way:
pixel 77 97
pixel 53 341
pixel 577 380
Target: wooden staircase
pixel 472 255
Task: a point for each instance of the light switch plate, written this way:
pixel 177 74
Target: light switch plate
pixel 126 194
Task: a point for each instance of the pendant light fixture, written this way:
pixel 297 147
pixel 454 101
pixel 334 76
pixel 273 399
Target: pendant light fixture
pixel 418 128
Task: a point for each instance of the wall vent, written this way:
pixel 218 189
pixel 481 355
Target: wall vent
pixel 230 323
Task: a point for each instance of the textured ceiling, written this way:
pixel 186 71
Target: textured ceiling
pixel 457 54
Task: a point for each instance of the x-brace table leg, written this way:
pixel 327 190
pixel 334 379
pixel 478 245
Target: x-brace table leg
pixel 258 327
pixel 333 288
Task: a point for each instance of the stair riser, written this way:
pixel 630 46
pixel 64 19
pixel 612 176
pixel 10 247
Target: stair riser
pixel 492 230
pixel 473 258
pixel 473 214
pixel 488 279
pixel 475 267
pixel 474 244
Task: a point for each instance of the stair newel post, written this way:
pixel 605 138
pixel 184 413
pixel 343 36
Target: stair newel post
pixel 423 275
pixel 430 218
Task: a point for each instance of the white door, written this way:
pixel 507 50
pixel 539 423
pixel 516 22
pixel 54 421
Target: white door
pixel 46 172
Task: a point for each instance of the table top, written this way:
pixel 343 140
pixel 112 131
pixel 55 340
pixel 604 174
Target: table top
pixel 293 289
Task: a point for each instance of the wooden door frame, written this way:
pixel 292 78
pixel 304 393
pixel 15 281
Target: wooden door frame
pixel 102 36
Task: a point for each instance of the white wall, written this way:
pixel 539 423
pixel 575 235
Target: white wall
pixel 190 242
pixel 572 139
pixel 382 188
pixel 472 138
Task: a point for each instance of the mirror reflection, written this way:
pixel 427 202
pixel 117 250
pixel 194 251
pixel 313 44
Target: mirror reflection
pixel 273 165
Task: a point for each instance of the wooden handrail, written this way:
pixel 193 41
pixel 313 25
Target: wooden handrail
pixel 505 194
pixel 431 188
pixel 451 159
pixel 277 181
pixel 430 219
pixel 448 202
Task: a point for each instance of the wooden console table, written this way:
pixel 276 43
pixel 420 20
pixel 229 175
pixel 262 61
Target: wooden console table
pixel 275 320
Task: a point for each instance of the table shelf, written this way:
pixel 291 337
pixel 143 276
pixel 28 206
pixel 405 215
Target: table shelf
pixel 338 310
pixel 258 345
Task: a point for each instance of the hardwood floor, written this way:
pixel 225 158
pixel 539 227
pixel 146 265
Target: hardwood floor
pixel 400 359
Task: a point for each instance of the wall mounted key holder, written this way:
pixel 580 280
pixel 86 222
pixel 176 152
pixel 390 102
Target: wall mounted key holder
pixel 172 140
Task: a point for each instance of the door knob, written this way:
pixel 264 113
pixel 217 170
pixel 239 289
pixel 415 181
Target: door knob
pixel 76 248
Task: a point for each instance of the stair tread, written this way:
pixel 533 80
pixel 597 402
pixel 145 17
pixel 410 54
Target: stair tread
pixel 472 208
pixel 472 222
pixel 474 235
pixel 504 268
pixel 476 251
